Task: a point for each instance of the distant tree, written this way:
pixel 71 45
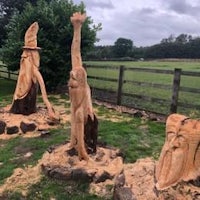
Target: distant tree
pixel 170 39
pixel 100 53
pixel 54 37
pixel 7 8
pixel 139 52
pixel 122 47
pixel 182 46
pixel 106 52
pixel 165 50
pixel 155 51
pixel 193 50
pixel 183 38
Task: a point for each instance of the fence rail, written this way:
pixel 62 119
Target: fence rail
pixel 5 73
pixel 117 96
pixel 120 96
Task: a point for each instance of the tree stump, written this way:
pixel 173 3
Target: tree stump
pixel 26 105
pixel 24 100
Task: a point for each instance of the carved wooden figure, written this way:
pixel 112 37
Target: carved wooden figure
pixel 180 156
pixel 82 113
pixel 24 100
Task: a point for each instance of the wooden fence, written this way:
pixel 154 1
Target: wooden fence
pixel 120 96
pixel 175 88
pixel 5 73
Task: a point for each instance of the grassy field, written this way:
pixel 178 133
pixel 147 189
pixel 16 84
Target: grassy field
pixel 186 65
pixel 136 137
pixel 150 78
pixel 4 72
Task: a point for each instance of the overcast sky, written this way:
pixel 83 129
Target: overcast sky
pixel 145 22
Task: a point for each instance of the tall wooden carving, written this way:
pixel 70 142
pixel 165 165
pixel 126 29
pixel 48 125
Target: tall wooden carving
pixel 24 100
pixel 80 97
pixel 180 156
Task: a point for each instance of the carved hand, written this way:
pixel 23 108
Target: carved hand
pixel 77 19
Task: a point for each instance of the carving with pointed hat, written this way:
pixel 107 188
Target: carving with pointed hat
pixel 31 37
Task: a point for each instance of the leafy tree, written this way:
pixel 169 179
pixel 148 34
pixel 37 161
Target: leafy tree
pixel 100 53
pixel 123 47
pixel 183 38
pixel 7 8
pixel 193 50
pixel 54 37
pixel 166 50
pixel 182 46
pixel 139 52
pixel 170 39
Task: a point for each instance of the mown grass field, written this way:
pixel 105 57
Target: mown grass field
pixel 136 137
pixel 189 65
pixel 150 78
pixel 4 72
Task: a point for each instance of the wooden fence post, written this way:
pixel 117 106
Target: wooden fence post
pixel 175 91
pixel 120 85
pixel 8 74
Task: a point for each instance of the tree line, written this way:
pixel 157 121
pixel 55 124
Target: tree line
pixel 182 46
pixel 54 36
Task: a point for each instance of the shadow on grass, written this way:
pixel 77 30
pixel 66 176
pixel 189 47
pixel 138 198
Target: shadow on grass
pixel 135 137
pixel 54 189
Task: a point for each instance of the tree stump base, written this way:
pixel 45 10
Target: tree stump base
pixel 139 179
pixel 26 105
pixel 36 123
pixel 100 171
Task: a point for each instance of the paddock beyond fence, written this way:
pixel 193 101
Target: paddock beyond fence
pixel 5 73
pixel 148 89
pixel 155 90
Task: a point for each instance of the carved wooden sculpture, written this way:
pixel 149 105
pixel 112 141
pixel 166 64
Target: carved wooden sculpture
pixel 24 100
pixel 180 156
pixel 80 95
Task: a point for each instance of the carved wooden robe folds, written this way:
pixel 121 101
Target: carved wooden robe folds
pixel 180 156
pixel 80 97
pixel 24 100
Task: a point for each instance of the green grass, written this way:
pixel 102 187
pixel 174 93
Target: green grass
pixel 188 66
pixel 136 138
pixel 7 88
pixel 54 189
pixel 17 147
pixel 150 78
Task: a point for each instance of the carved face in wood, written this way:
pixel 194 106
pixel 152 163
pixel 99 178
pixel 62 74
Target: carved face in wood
pixel 33 56
pixel 29 76
pixel 78 78
pixel 179 159
pixel 80 97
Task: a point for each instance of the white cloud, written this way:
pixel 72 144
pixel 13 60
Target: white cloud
pixel 145 22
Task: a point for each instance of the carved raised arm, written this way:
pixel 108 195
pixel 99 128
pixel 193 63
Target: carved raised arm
pixel 77 20
pixel 80 94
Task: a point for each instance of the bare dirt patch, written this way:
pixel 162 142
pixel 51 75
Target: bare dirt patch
pixel 40 119
pixel 22 179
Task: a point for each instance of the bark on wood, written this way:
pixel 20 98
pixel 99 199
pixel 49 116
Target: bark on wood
pixel 26 105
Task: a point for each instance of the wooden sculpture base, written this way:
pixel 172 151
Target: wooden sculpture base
pixel 26 105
